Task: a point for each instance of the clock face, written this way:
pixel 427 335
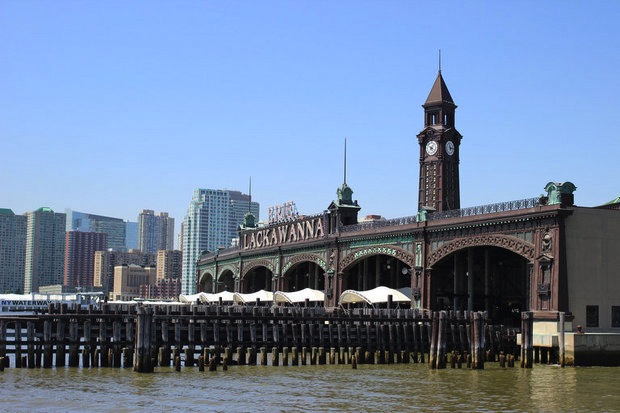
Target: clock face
pixel 449 148
pixel 431 148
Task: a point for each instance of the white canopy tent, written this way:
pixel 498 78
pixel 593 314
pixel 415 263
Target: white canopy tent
pixel 192 298
pixel 264 296
pixel 377 295
pixel 207 298
pixel 300 296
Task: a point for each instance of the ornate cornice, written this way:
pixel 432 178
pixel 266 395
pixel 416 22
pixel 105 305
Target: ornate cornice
pixel 516 245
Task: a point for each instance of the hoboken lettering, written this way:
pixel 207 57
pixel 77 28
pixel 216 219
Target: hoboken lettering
pixel 303 230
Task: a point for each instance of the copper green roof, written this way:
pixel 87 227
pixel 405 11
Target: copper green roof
pixel 613 201
pixel 6 211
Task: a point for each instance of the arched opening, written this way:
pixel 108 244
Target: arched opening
pixel 206 283
pixel 377 270
pixel 483 278
pixel 258 278
pixel 306 274
pixel 225 282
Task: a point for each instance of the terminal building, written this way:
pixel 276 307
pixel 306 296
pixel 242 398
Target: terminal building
pixel 544 254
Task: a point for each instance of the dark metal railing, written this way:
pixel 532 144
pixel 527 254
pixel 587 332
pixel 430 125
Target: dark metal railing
pixel 486 209
pixel 379 224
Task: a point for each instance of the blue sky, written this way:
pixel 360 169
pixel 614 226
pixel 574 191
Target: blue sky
pixel 110 107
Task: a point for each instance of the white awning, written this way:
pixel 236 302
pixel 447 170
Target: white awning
pixel 192 298
pixel 299 296
pixel 374 296
pixel 207 298
pixel 226 296
pixel 264 296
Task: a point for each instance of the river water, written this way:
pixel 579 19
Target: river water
pixel 329 388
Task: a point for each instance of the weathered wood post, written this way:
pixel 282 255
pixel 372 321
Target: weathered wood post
pixel 144 318
pixel 164 350
pixel 31 344
pixel 60 339
pixel 116 347
pixel 191 344
pixel 18 345
pixel 130 329
pixel 74 343
pixel 47 344
pixel 561 341
pixel 478 340
pixel 3 356
pixel 432 354
pixel 442 337
pixel 86 349
pixel 527 339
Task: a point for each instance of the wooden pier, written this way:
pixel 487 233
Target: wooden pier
pixel 211 337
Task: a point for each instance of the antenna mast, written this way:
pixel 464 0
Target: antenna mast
pixel 250 200
pixel 345 160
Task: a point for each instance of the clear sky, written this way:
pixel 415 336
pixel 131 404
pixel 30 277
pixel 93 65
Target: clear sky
pixel 110 107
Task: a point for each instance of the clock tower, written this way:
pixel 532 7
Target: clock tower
pixel 439 151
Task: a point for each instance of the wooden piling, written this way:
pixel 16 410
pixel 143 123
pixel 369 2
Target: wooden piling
pixel 527 323
pixel 3 357
pixel 47 344
pixel 142 362
pixel 561 349
pixel 432 354
pixel 275 360
pixel 31 344
pixel 285 356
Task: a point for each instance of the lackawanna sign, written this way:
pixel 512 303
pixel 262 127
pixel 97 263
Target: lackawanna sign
pixel 294 231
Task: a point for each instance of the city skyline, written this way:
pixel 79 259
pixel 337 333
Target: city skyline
pixel 223 92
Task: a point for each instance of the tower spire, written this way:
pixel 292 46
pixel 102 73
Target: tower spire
pixel 249 220
pixel 439 60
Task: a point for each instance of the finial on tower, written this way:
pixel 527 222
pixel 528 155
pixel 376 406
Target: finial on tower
pixel 439 60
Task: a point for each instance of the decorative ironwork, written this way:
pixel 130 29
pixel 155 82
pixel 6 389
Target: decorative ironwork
pixel 379 224
pixel 393 251
pixel 485 209
pixel 516 245
pixel 257 263
pixel 303 258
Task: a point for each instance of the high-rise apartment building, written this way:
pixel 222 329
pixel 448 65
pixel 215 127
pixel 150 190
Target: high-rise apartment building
pixel 169 264
pixel 80 248
pixel 115 227
pixel 131 235
pixel 12 251
pixel 45 249
pixel 105 261
pixel 155 231
pixel 212 221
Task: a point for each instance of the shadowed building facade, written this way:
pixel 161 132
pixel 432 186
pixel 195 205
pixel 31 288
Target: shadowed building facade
pixel 542 254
